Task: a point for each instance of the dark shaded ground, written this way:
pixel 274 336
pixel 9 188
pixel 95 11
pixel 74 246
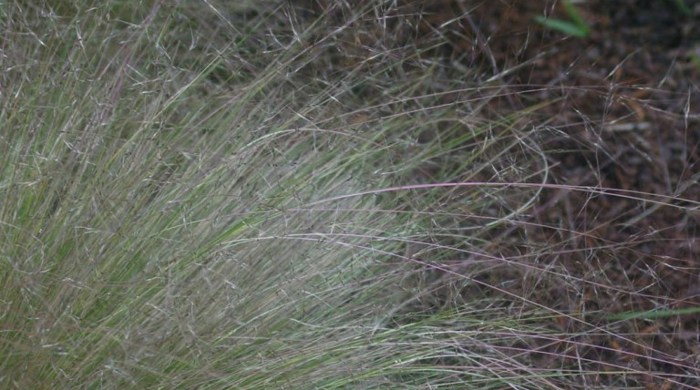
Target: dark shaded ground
pixel 627 119
pixel 623 124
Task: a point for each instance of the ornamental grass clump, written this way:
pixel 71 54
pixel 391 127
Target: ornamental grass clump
pixel 254 195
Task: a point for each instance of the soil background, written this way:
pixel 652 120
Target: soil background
pixel 625 122
pixel 617 230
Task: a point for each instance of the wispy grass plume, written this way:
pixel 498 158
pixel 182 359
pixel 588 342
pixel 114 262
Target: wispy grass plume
pixel 252 195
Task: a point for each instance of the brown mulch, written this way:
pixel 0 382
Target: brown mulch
pixel 625 119
pixel 618 230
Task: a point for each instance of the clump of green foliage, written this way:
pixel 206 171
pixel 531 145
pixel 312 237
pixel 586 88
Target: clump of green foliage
pixel 252 195
pixel 200 195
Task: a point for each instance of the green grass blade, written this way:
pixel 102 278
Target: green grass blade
pixel 653 314
pixel 568 28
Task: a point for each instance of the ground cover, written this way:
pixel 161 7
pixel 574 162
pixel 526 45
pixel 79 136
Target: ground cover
pixel 328 194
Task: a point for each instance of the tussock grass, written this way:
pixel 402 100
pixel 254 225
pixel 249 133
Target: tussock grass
pixel 253 195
